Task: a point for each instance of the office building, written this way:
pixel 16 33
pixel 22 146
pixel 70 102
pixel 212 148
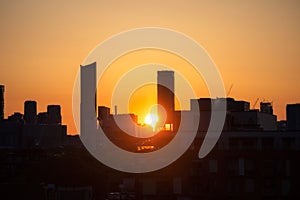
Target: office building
pixel 266 107
pixel 88 99
pixel 1 102
pixel 103 112
pixel 232 105
pixel 239 116
pixel 293 116
pixel 54 114
pixel 30 112
pixel 165 95
pixel 42 118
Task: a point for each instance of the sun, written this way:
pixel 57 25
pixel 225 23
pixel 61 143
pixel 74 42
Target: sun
pixel 151 119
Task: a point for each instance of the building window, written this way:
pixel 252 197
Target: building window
pixel 241 167
pixel 249 167
pixel 233 186
pixel 233 143
pixel 164 186
pixel 249 143
pixel 168 127
pixel 177 185
pixel 269 187
pixel 267 143
pixel 232 167
pixel 249 185
pixel 285 187
pixel 269 167
pixel 288 143
pixel 288 168
pixel 213 166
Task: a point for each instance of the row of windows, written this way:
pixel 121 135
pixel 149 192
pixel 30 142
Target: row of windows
pixel 243 167
pixel 259 144
pixel 267 187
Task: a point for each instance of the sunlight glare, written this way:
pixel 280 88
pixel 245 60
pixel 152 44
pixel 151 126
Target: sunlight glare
pixel 151 119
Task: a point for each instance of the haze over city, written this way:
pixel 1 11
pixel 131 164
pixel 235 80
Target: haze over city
pixel 149 100
pixel 254 44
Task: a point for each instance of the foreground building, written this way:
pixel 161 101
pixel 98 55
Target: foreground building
pixel 243 165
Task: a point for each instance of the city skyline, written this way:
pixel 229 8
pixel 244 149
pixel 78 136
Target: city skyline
pixel 254 44
pixel 165 97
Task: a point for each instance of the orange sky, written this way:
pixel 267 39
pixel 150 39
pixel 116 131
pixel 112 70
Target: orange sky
pixel 255 44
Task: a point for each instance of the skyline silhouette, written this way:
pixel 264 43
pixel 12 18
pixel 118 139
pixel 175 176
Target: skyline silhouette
pixel 250 159
pixel 248 50
pixel 254 44
pixel 141 121
pixel 150 142
pixel 253 154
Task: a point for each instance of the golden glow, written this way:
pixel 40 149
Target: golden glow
pixel 42 49
pixel 168 127
pixel 141 100
pixel 151 119
pixel 145 148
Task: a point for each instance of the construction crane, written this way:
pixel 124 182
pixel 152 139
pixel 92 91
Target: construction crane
pixel 253 107
pixel 229 90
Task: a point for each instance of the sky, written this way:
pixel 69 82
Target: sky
pixel 255 45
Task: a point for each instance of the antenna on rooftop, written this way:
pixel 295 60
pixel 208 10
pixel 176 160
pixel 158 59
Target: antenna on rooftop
pixel 116 109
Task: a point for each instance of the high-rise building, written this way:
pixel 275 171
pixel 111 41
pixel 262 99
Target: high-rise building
pixel 88 97
pixel 42 118
pixel 103 112
pixel 266 107
pixel 1 102
pixel 103 115
pixel 30 112
pixel 293 116
pixel 165 95
pixel 54 114
pixel 88 101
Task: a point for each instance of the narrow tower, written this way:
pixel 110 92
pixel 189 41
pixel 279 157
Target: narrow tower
pixel 1 102
pixel 30 112
pixel 165 96
pixel 54 114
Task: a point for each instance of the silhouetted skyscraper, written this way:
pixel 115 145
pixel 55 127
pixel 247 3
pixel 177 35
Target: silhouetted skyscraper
pixel 165 94
pixel 266 107
pixel 88 96
pixel 103 112
pixel 30 112
pixel 293 116
pixel 53 114
pixel 88 100
pixel 1 102
pixel 42 118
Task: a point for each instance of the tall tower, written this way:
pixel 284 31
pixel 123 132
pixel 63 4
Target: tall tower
pixel 293 117
pixel 266 107
pixel 88 101
pixel 88 90
pixel 54 114
pixel 165 95
pixel 30 112
pixel 1 102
